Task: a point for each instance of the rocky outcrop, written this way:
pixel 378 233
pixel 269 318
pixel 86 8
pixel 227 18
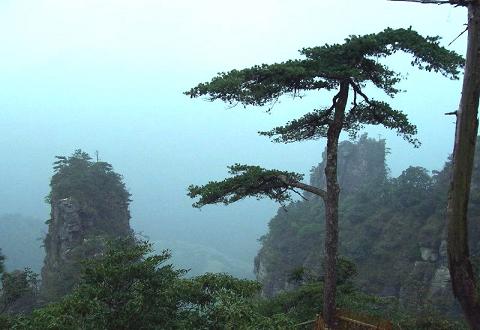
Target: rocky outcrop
pixel 72 237
pixel 65 237
pixel 89 205
pixel 429 282
pixel 358 164
pixel 393 229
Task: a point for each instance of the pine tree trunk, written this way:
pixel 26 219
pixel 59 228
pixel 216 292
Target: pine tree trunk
pixel 461 271
pixel 331 208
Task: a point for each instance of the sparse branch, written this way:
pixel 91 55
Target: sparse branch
pixel 299 194
pixel 358 90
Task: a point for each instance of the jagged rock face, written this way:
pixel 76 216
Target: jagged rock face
pixel 68 227
pixel 71 237
pixel 429 282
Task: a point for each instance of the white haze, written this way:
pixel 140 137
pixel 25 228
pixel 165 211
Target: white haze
pixel 109 75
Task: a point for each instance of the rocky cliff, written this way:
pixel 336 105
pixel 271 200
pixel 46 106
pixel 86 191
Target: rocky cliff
pixel 358 164
pixel 89 205
pixel 393 229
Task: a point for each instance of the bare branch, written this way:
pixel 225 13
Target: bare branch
pixel 466 29
pixel 306 187
pixel 299 194
pixel 451 113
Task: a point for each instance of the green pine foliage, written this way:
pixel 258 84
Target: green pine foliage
pixel 353 64
pixel 247 181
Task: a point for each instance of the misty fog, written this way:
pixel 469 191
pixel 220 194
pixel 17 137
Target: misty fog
pixel 110 76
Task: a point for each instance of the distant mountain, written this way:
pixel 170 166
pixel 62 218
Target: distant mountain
pixel 21 240
pixel 202 259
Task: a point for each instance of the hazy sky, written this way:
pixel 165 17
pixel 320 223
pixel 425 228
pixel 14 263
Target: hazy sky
pixel 108 75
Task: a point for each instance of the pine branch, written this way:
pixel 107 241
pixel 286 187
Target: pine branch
pixel 313 125
pixel 252 181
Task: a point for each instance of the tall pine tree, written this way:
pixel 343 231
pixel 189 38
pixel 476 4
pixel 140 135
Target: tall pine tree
pixel 346 69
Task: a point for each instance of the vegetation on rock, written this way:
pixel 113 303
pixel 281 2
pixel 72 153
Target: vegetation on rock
pixel 128 287
pixel 89 205
pixel 392 228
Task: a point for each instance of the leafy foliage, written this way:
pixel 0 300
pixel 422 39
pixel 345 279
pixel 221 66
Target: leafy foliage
pixel 220 301
pixel 303 304
pixel 123 289
pixel 130 288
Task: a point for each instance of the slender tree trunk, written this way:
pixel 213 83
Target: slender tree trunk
pixel 461 271
pixel 331 208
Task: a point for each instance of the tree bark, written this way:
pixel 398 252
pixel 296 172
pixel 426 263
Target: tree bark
pixel 461 270
pixel 331 207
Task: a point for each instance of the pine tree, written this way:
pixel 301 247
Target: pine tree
pixel 345 68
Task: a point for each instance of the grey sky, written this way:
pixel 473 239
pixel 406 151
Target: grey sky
pixel 108 75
